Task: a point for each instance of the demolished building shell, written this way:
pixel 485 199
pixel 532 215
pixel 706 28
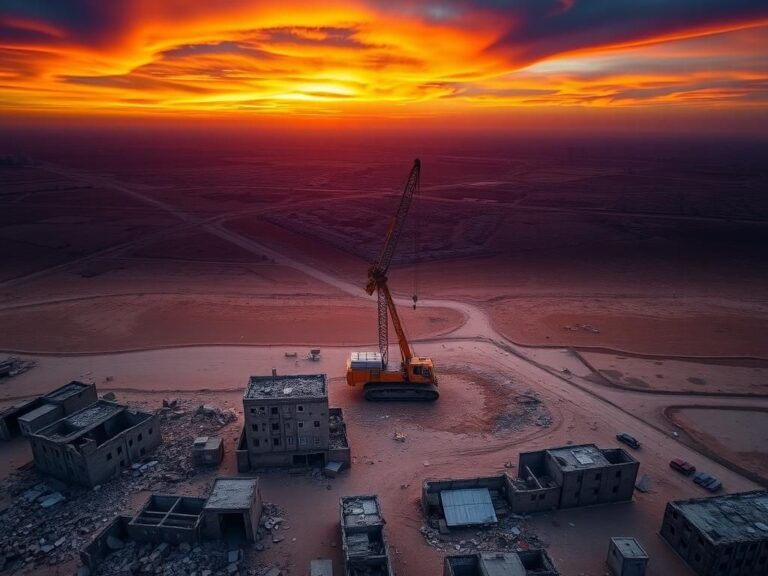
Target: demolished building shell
pixel 548 479
pixel 30 416
pixel 720 535
pixel 365 548
pixel 521 563
pixel 95 443
pixel 231 511
pixel 288 423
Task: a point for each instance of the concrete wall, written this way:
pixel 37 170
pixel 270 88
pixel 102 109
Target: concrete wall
pixel 242 456
pixel 92 555
pixel 620 566
pixel 75 402
pixel 122 450
pixel 29 425
pixel 9 418
pixel 529 501
pixel 286 424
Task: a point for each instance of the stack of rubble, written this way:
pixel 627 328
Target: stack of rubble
pixel 48 522
pixel 271 527
pixel 509 534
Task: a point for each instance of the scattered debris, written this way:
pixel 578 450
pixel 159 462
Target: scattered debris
pixel 399 436
pixel 30 532
pixel 582 327
pixel 13 366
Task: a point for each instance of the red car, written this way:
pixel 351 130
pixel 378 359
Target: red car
pixel 682 466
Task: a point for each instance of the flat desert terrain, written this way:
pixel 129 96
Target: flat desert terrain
pixel 565 294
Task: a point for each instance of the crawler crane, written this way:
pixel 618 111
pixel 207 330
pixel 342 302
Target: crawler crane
pixel 414 378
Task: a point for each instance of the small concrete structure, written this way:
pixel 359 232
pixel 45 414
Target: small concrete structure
pixel 207 451
pixel 30 416
pixel 288 423
pixel 521 563
pixel 233 509
pixel 95 443
pixel 720 535
pixel 626 557
pixel 363 542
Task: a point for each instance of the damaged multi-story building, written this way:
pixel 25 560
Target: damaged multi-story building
pixel 720 535
pixel 29 416
pixel 95 443
pixel 288 423
pixel 366 552
pixel 563 477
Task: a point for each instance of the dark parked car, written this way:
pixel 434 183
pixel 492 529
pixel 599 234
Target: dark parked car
pixel 706 481
pixel 627 439
pixel 682 466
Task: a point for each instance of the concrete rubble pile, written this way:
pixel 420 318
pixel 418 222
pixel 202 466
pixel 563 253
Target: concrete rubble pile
pixel 506 536
pixel 47 522
pixel 272 527
pixel 13 365
pixel 527 410
pixel 204 559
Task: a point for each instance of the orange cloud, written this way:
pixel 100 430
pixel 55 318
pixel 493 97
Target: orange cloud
pixel 354 58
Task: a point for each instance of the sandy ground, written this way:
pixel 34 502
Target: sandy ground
pixel 186 256
pixel 670 375
pixel 732 434
pixel 454 437
pixel 149 321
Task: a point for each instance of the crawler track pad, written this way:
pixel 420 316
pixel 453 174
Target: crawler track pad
pixel 400 391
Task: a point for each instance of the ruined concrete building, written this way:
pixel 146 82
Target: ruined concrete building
pixel 521 563
pixel 95 443
pixel 30 416
pixel 288 423
pixel 548 479
pixel 231 512
pixel 366 552
pixel 720 535
pixel 572 476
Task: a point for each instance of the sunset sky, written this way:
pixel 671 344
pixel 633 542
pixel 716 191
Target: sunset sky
pixel 482 60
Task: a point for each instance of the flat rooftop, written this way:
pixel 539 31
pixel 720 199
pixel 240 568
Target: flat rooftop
pixel 581 457
pixel 298 386
pixel 731 518
pixel 629 547
pixel 361 511
pixel 82 421
pixel 39 411
pixel 232 493
pixel 66 391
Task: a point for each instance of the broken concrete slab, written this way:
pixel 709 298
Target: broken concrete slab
pixel 52 500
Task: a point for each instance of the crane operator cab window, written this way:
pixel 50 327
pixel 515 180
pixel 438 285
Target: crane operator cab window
pixel 422 371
